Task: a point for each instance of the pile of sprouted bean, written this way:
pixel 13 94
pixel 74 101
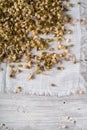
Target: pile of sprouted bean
pixel 22 22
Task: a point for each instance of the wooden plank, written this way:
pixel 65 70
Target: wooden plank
pixel 43 113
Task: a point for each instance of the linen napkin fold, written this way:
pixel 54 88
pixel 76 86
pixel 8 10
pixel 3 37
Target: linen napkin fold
pixel 67 81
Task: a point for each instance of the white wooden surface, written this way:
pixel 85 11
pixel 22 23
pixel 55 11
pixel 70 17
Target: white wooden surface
pixel 43 113
pixel 46 113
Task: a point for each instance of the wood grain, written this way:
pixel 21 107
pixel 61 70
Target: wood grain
pixel 47 113
pixel 43 113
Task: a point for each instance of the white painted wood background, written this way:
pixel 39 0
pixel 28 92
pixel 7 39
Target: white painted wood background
pixel 43 113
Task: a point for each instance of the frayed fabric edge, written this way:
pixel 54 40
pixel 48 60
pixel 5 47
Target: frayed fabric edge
pixel 57 94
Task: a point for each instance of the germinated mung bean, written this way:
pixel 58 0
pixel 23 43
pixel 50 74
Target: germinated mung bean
pixel 21 24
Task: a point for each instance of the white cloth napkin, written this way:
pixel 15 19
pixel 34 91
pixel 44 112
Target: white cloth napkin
pixel 67 81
